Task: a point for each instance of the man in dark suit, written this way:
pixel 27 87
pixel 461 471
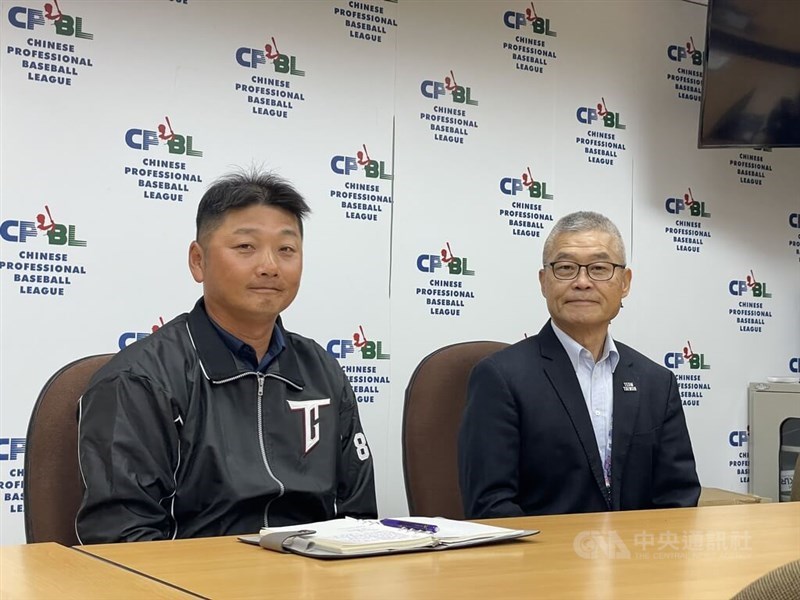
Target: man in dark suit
pixel 570 420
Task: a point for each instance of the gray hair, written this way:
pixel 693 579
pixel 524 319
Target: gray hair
pixel 584 221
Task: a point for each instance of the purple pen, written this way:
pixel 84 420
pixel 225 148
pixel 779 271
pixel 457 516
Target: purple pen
pixel 399 524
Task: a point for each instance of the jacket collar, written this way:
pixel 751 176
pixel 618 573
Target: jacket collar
pixel 218 362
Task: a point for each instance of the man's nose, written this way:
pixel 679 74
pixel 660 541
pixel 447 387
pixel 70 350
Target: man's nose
pixel 267 264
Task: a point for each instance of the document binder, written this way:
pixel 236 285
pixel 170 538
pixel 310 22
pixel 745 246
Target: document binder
pixel 354 538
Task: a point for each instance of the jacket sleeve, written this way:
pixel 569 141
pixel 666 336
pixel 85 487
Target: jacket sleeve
pixel 128 452
pixel 675 482
pixel 488 446
pixel 356 486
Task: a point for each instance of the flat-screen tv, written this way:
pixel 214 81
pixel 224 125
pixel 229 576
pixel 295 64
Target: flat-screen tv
pixel 751 75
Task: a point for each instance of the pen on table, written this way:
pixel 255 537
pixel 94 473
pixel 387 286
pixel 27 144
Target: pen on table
pixel 409 525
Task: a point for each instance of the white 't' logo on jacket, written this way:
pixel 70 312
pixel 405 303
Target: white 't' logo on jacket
pixel 310 410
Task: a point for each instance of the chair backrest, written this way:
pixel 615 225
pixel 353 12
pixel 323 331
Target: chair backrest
pixel 434 403
pixel 782 583
pixel 53 486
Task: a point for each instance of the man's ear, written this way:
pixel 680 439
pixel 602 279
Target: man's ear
pixel 196 261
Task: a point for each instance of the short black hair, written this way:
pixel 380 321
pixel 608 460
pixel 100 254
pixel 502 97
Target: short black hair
pixel 242 189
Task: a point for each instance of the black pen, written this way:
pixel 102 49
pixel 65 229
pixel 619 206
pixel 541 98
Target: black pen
pixel 397 523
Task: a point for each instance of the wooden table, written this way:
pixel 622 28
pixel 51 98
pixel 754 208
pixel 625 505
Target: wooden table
pixel 50 570
pixel 696 553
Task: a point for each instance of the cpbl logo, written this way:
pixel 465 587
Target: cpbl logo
pixel 540 25
pixel 282 63
pixel 794 364
pixel 373 169
pixel 144 139
pixel 16 447
pixel 30 18
pixel 674 360
pixel 794 220
pixel 677 205
pixel 57 234
pixel 127 338
pixel 456 265
pixel 510 186
pixel 757 288
pixel 679 53
pixel 588 115
pixel 738 438
pixel 370 349
pixel 434 89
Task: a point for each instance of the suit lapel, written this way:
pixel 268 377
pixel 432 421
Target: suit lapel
pixel 559 371
pixel 626 410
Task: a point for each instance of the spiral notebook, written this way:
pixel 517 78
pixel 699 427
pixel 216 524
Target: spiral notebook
pixel 351 538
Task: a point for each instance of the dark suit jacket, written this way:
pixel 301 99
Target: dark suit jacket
pixel 527 446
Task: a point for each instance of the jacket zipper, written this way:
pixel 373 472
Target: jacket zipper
pixel 261 379
pixel 259 400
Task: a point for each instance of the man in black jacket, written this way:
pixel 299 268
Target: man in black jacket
pixel 222 422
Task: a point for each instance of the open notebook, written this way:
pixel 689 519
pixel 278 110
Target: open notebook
pixel 343 538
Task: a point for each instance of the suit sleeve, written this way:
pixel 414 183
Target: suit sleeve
pixel 128 452
pixel 488 446
pixel 675 482
pixel 356 487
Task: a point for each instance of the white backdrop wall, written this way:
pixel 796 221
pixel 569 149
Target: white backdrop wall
pixel 447 105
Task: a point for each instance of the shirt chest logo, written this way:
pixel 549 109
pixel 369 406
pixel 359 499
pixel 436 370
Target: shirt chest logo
pixel 310 410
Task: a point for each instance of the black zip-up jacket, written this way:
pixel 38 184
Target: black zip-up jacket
pixel 178 438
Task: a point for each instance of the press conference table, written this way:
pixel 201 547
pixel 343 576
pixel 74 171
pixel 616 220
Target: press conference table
pixel 696 553
pixel 44 571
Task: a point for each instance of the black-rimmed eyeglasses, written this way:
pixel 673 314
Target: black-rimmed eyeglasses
pixel 598 271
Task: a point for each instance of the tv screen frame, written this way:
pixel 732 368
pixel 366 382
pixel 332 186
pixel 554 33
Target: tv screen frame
pixel 753 43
